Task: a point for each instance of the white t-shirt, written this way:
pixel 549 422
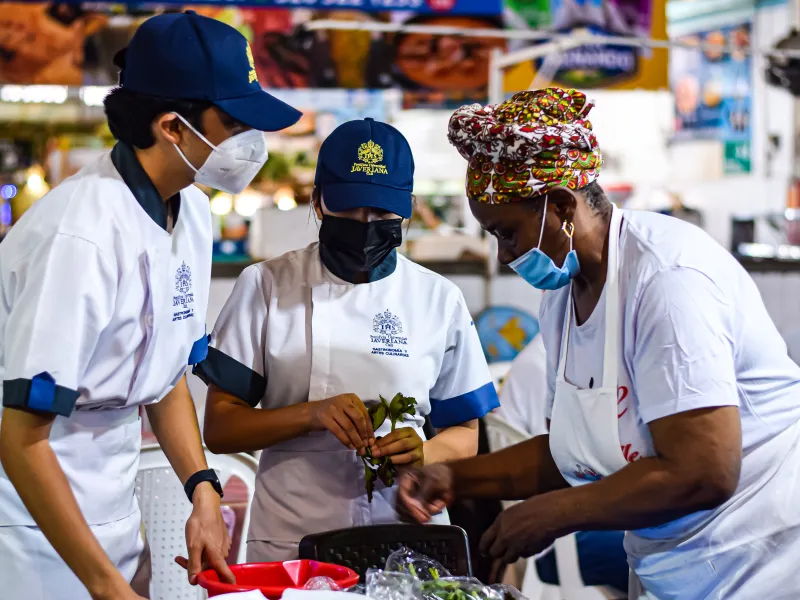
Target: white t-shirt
pixel 523 397
pixel 695 334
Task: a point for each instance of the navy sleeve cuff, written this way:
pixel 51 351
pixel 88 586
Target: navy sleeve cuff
pixel 231 376
pixel 40 393
pixel 467 407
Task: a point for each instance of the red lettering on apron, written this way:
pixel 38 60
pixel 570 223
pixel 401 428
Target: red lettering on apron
pixel 622 393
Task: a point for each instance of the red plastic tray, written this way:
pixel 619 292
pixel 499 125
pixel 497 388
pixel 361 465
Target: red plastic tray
pixel 271 579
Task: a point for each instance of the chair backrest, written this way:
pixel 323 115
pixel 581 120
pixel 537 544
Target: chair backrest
pixel 165 510
pixel 364 548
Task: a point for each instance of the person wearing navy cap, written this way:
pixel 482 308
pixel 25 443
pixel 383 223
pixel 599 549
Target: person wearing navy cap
pixel 308 341
pixel 105 284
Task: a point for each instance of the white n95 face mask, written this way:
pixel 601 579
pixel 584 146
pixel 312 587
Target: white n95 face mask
pixel 233 164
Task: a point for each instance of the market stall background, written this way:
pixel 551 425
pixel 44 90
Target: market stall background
pixel 718 150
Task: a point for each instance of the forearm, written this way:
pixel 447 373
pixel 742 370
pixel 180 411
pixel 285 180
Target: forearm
pixel 33 469
pixel 453 443
pixel 233 426
pixel 514 473
pixel 174 423
pixel 646 493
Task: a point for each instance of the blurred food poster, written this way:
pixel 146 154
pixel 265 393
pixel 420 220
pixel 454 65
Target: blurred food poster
pixel 713 92
pixel 609 66
pixel 74 44
pixel 45 43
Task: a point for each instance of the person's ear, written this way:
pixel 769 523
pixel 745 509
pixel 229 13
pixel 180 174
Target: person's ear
pixel 169 127
pixel 316 200
pixel 565 204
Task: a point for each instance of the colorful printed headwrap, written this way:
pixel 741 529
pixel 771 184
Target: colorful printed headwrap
pixel 526 146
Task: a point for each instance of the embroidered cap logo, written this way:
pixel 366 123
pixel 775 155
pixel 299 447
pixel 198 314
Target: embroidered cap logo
pixel 252 75
pixel 369 155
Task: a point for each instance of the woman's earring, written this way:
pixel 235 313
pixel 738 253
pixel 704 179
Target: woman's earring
pixel 568 229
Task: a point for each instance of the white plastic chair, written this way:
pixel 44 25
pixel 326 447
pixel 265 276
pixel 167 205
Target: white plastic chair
pixel 165 509
pixel 502 434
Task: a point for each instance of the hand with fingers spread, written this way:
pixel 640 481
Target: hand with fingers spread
pixel 346 417
pixel 207 537
pixel 425 492
pixel 403 446
pixel 523 530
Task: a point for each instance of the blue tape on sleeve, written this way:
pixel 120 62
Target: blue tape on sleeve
pixel 199 350
pixel 42 393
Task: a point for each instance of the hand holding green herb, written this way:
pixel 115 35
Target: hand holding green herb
pixel 405 444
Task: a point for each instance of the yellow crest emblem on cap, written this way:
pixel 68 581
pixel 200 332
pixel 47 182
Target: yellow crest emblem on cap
pixel 252 75
pixel 369 155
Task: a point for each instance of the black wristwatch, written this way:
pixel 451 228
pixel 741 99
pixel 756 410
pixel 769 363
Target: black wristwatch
pixel 208 475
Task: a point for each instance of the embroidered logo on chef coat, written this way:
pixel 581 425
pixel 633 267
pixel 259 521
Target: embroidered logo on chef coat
pixel 184 298
pixel 388 339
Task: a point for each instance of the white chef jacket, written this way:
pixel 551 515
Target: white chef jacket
pixel 694 333
pixel 291 332
pixel 102 309
pixel 523 396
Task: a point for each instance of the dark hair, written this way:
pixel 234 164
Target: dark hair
pixel 596 198
pixel 131 115
pixel 593 194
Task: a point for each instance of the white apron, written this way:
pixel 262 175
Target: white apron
pixel 748 548
pixel 99 453
pixel 313 483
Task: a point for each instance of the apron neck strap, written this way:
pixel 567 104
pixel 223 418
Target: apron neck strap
pixel 612 328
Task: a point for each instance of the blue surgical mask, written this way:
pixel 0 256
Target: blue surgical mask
pixel 540 271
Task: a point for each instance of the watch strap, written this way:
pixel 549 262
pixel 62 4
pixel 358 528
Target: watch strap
pixel 201 476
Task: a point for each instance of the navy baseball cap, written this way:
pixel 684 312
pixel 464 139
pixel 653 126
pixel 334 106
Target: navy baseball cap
pixel 366 163
pixel 186 56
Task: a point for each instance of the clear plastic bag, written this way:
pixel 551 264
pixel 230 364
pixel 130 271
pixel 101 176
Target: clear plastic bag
pixel 322 583
pixel 417 565
pixel 509 592
pixel 458 588
pixel 390 585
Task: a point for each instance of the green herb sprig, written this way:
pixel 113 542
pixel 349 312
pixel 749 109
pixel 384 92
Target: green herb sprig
pixel 382 468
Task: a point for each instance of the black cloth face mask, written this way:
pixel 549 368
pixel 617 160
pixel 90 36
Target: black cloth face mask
pixel 351 247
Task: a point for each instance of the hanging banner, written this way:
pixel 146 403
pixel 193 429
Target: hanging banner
pixel 609 66
pixel 75 44
pixel 450 7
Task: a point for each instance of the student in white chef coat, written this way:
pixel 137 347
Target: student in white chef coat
pixel 104 286
pixel 675 407
pixel 316 336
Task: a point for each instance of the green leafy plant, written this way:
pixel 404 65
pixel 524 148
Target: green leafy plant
pixel 382 469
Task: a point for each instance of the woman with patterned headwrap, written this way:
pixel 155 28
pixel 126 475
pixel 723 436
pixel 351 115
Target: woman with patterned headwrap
pixel 674 407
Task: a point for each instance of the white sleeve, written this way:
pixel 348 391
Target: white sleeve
pixel 464 389
pixel 683 355
pixel 62 297
pixel 523 397
pixel 235 361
